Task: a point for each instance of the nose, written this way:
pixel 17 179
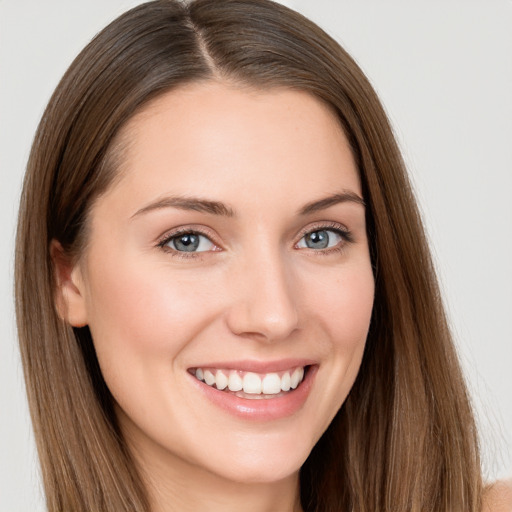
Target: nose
pixel 264 305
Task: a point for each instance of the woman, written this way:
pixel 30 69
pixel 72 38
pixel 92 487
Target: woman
pixel 212 188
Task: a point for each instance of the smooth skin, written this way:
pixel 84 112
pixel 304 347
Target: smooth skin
pixel 241 169
pixel 498 497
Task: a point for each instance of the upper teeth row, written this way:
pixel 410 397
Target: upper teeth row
pixel 253 383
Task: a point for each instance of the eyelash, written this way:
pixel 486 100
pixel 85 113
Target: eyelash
pixel 167 238
pixel 340 230
pixel 345 235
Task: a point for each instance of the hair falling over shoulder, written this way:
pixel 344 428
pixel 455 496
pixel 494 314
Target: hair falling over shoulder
pixel 405 439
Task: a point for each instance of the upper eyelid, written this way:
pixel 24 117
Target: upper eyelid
pixel 342 230
pixel 322 225
pixel 173 233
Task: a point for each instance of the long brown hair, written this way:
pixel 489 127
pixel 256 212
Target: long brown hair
pixel 405 438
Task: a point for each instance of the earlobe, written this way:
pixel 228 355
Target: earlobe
pixel 69 287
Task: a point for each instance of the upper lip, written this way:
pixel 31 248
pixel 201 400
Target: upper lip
pixel 258 366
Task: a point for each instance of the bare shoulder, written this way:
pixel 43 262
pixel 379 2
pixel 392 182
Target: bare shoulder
pixel 498 497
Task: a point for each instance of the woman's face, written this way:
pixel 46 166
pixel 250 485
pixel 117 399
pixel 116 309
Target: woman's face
pixel 231 253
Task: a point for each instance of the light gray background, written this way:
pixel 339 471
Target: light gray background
pixel 444 72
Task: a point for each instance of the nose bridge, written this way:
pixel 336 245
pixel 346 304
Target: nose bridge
pixel 264 304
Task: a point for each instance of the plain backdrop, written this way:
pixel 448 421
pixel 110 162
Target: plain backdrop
pixel 443 70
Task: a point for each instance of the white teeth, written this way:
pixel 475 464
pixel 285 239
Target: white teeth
pixel 251 383
pixel 271 384
pixel 209 378
pixel 296 377
pixel 285 382
pixel 221 381
pixel 235 382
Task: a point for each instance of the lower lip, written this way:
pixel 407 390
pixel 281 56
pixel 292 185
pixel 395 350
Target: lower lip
pixel 265 409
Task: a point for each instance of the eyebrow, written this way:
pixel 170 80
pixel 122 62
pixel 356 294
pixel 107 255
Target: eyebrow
pixel 188 203
pixel 322 204
pixel 218 208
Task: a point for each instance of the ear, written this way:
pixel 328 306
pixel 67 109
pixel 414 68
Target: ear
pixel 69 287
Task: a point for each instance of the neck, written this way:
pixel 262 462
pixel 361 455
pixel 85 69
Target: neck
pixel 177 485
pixel 185 488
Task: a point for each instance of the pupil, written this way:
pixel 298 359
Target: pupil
pixel 187 243
pixel 317 240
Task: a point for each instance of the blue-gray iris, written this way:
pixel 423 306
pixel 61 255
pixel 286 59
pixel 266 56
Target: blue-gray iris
pixel 317 239
pixel 188 242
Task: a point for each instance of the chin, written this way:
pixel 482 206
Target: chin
pixel 262 472
pixel 261 460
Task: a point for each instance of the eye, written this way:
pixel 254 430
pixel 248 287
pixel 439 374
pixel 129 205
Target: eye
pixel 189 242
pixel 320 239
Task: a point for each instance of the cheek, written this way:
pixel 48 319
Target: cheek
pixel 142 317
pixel 343 301
pixel 340 306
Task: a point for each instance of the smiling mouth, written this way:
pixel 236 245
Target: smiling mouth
pixel 251 385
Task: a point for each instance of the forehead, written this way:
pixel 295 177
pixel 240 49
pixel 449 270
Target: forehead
pixel 217 138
